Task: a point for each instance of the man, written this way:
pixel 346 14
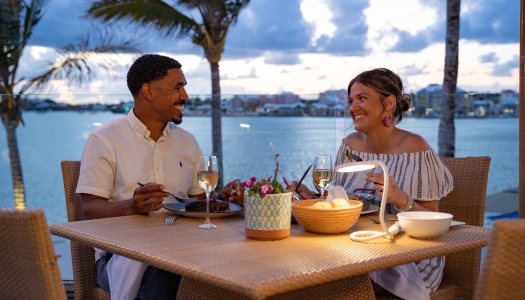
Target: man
pixel 146 146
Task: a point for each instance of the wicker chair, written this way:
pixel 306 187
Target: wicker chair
pixel 503 268
pixel 467 203
pixel 83 257
pixel 29 266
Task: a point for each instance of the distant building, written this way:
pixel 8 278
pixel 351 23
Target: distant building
pixel 286 98
pixel 270 109
pixel 427 102
pixel 509 106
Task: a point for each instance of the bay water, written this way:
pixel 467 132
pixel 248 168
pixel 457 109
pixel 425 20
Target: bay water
pixel 249 148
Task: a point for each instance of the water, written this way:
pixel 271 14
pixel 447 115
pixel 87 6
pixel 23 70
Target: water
pixel 49 138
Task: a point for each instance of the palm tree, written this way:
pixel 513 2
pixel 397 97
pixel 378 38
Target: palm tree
pixel 210 34
pixel 18 19
pixel 447 131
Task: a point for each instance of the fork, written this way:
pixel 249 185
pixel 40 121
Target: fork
pixel 169 220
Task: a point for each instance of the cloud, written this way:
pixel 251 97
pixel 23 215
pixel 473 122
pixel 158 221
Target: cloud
pixel 490 21
pixel 250 75
pixel 280 58
pixel 505 69
pixel 488 58
pixel 411 71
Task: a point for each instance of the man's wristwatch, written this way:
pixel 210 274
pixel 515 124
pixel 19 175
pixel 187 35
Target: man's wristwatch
pixel 410 205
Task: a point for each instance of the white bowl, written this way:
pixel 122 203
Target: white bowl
pixel 424 224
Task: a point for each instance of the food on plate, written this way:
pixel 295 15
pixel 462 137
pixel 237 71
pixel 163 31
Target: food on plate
pixel 215 206
pixel 322 205
pixel 368 197
pixel 340 203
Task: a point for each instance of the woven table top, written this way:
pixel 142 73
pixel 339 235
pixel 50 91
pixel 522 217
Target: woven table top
pixel 259 269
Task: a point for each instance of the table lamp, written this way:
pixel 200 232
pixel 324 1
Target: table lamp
pixel 369 235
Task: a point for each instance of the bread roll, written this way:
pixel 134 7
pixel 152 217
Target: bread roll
pixel 322 205
pixel 340 203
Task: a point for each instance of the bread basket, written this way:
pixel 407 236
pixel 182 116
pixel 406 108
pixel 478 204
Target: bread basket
pixel 334 220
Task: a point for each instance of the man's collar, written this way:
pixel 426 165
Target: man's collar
pixel 140 129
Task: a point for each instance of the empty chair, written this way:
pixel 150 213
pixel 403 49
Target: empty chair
pixel 28 264
pixel 503 268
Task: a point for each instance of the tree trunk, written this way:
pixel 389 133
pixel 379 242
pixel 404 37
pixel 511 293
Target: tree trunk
pixel 216 122
pixel 447 131
pixel 16 167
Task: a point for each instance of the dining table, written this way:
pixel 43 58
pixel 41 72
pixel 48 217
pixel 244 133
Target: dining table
pixel 232 266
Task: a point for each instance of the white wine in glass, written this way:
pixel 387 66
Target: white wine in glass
pixel 208 176
pixel 322 173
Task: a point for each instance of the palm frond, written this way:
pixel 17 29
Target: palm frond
pixel 77 63
pixel 154 14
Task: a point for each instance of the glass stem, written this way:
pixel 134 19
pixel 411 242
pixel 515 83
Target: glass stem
pixel 207 207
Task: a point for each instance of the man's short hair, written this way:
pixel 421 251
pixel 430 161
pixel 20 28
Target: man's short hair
pixel 148 68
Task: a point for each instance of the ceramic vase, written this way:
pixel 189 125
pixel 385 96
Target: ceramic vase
pixel 268 217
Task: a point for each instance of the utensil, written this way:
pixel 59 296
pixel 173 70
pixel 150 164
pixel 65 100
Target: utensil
pixel 302 178
pixel 183 200
pixel 169 220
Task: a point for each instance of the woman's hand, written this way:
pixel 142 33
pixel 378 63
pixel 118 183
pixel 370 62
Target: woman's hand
pixel 395 195
pixel 303 191
pixel 233 192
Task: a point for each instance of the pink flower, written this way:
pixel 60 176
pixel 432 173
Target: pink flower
pixel 286 182
pixel 265 189
pixel 249 184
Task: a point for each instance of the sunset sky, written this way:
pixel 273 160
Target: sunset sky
pixel 310 46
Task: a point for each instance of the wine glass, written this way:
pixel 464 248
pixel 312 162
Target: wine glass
pixel 208 176
pixel 322 172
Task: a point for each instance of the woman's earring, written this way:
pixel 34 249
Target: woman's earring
pixel 388 121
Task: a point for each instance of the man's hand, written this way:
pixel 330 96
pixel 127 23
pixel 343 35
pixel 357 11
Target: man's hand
pixel 233 192
pixel 147 198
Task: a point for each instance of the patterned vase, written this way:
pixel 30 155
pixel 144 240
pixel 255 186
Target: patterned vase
pixel 268 217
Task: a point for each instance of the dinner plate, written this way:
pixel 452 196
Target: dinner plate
pixel 456 223
pixel 373 208
pixel 180 208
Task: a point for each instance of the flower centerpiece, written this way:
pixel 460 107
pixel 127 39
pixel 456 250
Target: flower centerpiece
pixel 267 207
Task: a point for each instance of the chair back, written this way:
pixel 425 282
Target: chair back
pixel 28 264
pixel 467 203
pixel 83 257
pixel 467 200
pixel 503 268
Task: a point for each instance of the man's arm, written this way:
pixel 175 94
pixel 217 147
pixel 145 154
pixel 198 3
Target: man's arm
pixel 96 207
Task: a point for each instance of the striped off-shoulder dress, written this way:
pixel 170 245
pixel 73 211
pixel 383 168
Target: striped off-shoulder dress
pixel 422 174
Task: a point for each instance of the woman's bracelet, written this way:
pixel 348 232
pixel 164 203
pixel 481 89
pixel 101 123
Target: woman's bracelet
pixel 409 207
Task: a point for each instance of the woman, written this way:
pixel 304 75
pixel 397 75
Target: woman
pixel 418 178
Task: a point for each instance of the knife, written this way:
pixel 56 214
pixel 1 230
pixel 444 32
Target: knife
pixel 302 178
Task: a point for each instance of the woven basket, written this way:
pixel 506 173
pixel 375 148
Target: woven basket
pixel 335 220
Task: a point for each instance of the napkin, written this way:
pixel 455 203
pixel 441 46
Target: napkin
pixel 336 192
pixel 124 276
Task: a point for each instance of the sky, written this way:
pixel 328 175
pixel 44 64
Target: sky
pixel 306 47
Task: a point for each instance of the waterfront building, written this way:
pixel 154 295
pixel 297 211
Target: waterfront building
pixel 427 102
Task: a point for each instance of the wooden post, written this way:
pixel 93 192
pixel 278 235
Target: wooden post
pixel 522 112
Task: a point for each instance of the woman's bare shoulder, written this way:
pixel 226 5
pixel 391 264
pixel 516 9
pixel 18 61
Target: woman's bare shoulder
pixel 354 140
pixel 412 142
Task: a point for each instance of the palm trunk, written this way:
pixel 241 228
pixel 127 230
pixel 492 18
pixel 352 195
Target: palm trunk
pixel 16 167
pixel 447 131
pixel 216 122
